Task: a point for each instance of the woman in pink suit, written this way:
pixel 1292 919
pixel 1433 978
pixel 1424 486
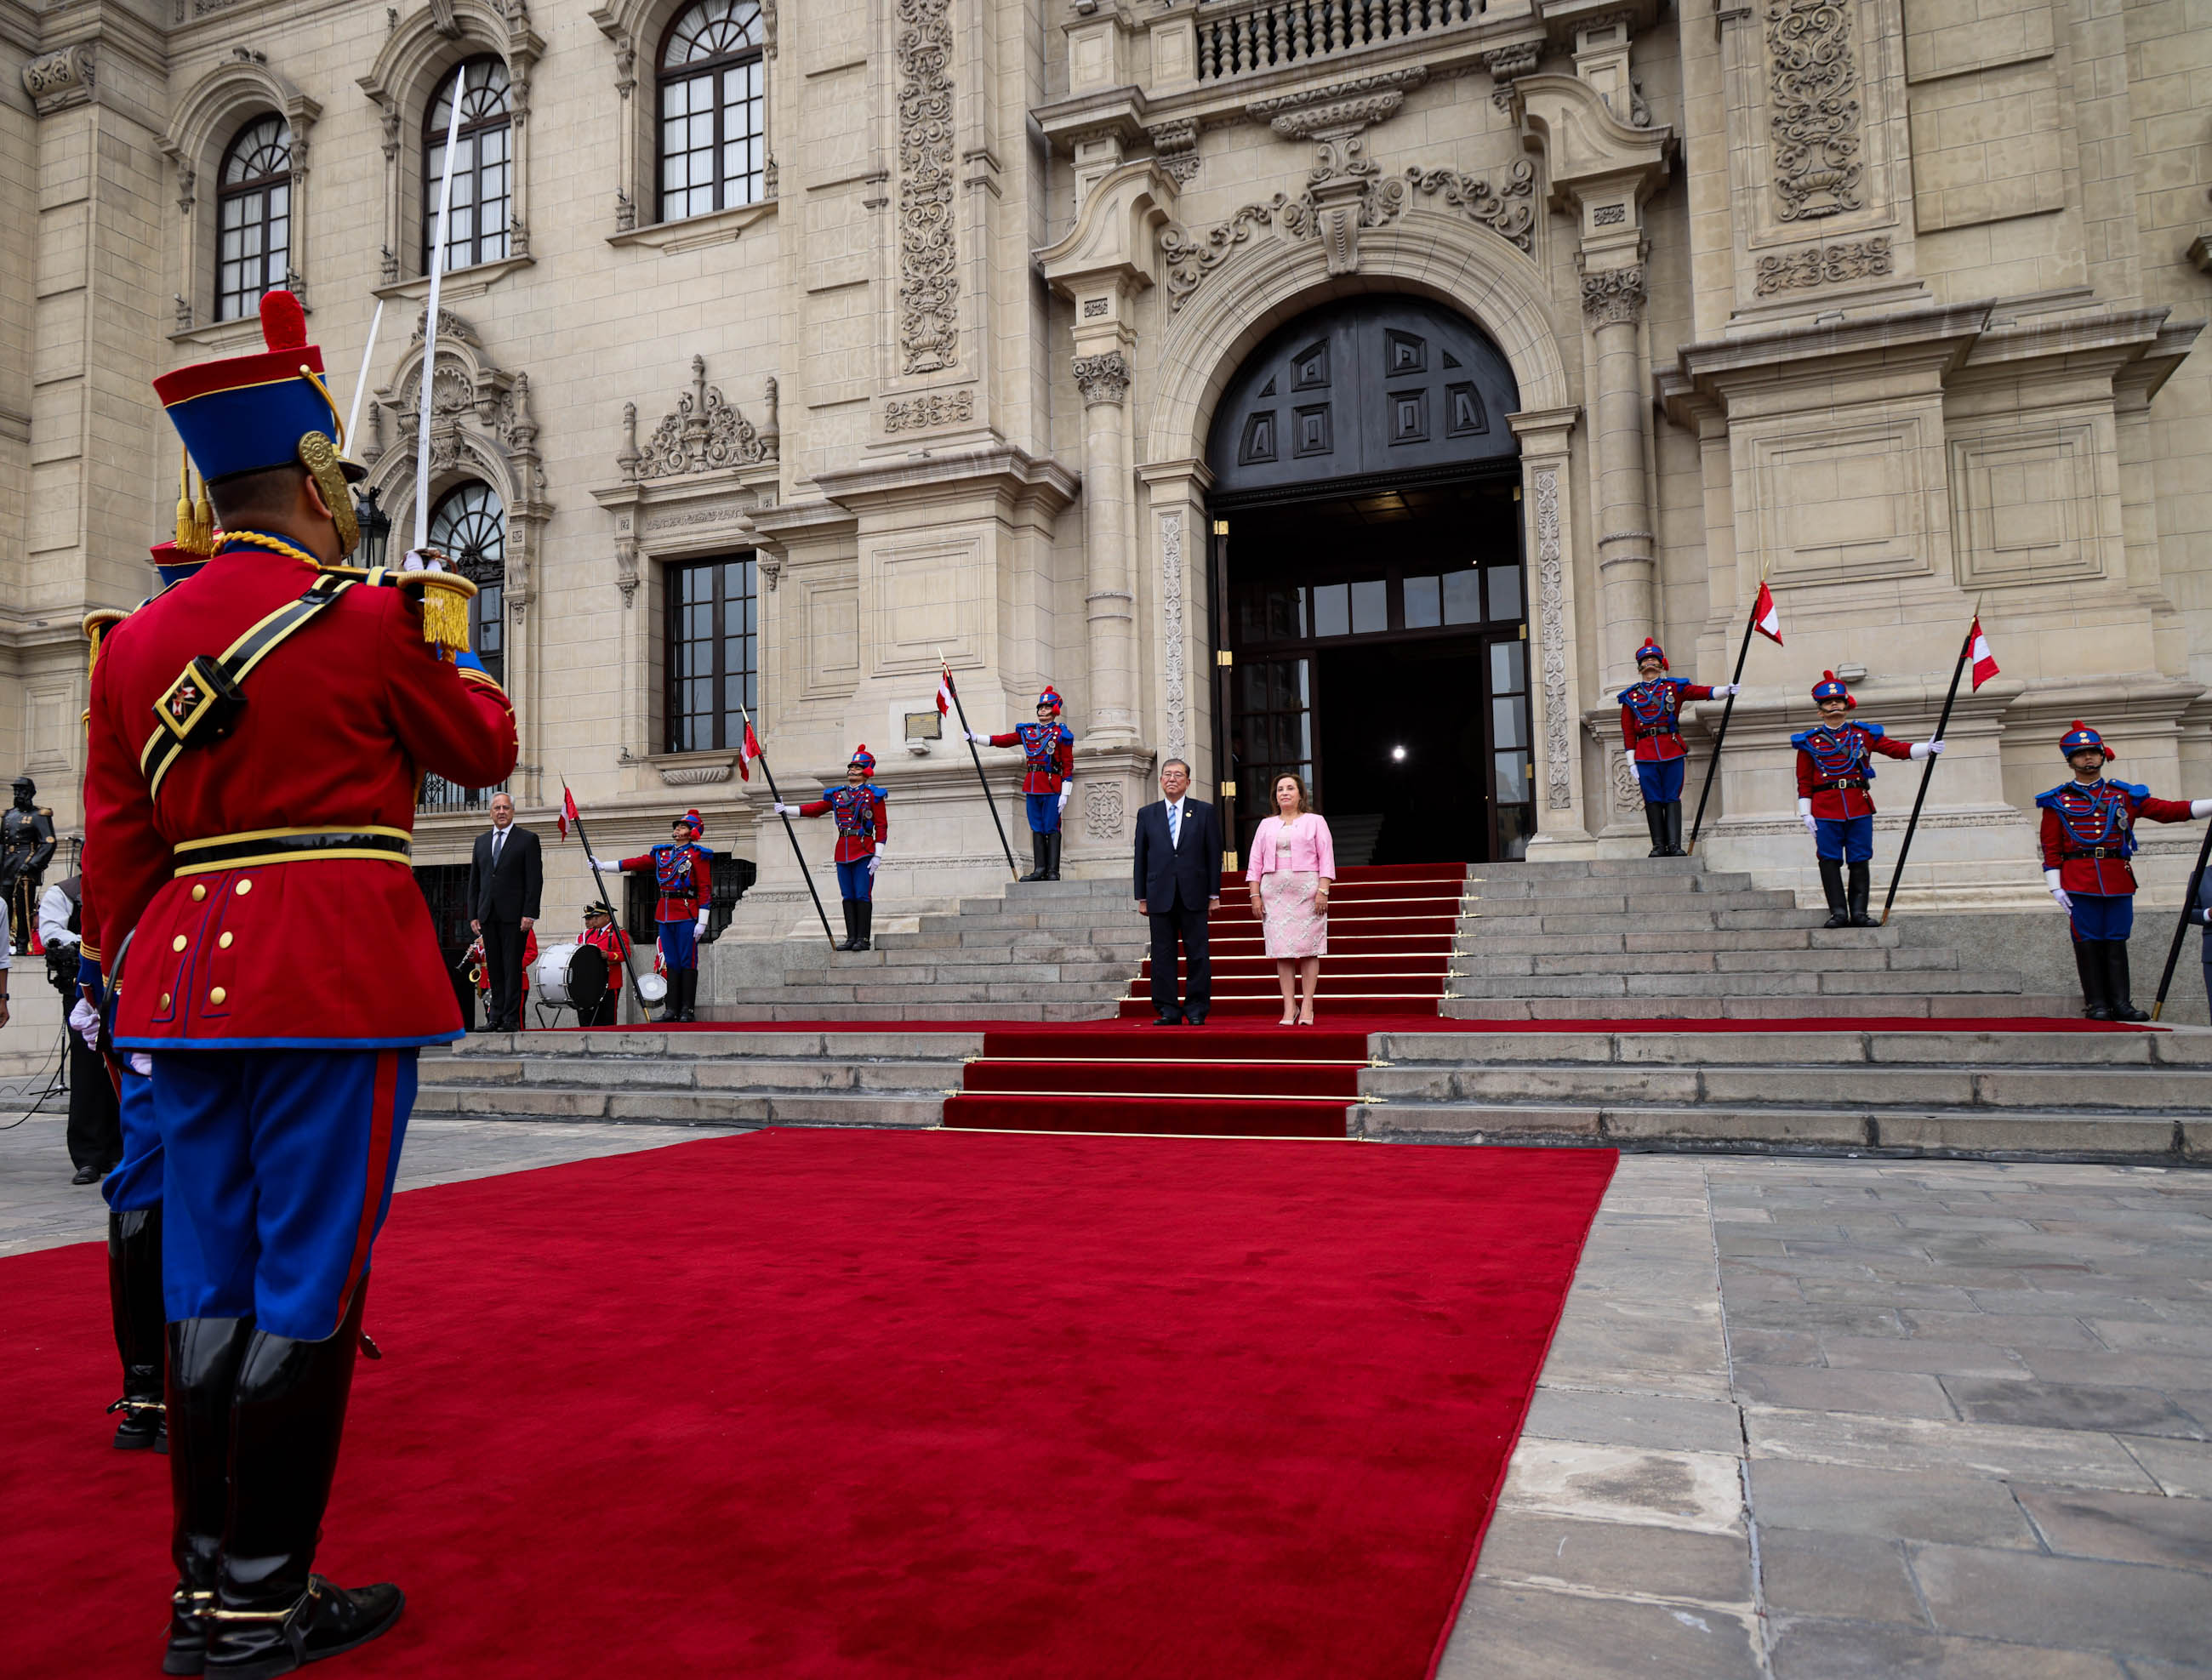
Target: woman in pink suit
pixel 1293 861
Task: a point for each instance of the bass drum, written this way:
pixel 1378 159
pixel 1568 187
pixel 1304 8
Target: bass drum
pixel 574 975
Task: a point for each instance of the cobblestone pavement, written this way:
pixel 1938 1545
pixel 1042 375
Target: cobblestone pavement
pixel 1803 1419
pixel 1811 1419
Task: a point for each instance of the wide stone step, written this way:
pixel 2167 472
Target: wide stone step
pixel 741 1109
pixel 2093 1089
pixel 817 1073
pixel 1632 906
pixel 639 1046
pixel 1827 1130
pixel 2088 1047
pixel 1921 1006
pixel 1705 962
pixel 1492 887
pixel 1802 982
pixel 910 1008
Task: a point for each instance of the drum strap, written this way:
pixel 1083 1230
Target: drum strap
pixel 207 694
pixel 218 852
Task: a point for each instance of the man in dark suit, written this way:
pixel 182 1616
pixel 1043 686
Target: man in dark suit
pixel 504 878
pixel 1178 884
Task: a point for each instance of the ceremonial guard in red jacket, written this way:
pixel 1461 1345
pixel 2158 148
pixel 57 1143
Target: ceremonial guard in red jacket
pixel 683 870
pixel 255 735
pixel 1835 767
pixel 1651 730
pixel 1048 777
pixel 861 826
pixel 2088 835
pixel 599 931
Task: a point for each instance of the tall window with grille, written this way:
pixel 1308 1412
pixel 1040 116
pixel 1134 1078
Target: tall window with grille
pixel 469 526
pixel 253 217
pixel 714 651
pixel 483 179
pixel 714 132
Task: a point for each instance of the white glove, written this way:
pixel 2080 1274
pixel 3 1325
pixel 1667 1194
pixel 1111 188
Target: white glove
pixel 1926 748
pixel 142 1064
pixel 703 922
pixel 875 861
pixel 603 866
pixel 980 740
pixel 1805 817
pixel 1065 788
pixel 84 1021
pixel 1727 690
pixel 2200 807
pixel 2050 880
pixel 782 810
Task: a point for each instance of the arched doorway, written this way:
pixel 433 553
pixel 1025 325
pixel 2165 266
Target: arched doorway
pixel 1368 582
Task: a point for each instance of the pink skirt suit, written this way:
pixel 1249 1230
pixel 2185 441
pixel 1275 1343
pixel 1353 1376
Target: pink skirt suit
pixel 1289 860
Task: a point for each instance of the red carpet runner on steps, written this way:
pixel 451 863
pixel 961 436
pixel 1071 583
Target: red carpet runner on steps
pixel 1390 934
pixel 874 1406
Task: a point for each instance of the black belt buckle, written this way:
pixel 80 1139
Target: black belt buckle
pixel 202 704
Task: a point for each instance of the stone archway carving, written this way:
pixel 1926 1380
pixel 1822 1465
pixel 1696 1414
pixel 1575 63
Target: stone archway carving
pixel 205 120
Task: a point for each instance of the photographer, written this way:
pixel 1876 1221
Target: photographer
pixel 95 1128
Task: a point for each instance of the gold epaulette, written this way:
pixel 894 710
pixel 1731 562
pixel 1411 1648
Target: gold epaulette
pixel 97 623
pixel 443 598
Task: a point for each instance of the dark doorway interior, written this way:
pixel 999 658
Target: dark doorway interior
pixel 446 890
pixel 1401 744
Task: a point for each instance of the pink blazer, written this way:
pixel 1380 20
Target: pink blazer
pixel 1311 847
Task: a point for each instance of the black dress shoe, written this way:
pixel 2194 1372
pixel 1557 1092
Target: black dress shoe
pixel 328 1620
pixel 87 1175
pixel 1198 1020
pixel 1166 1019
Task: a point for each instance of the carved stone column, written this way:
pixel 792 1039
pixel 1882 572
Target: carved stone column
pixel 1613 301
pixel 1109 600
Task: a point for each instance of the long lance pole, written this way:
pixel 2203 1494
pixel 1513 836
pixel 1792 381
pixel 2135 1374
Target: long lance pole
pixel 1012 868
pixel 2181 926
pixel 1728 711
pixel 791 833
pixel 1928 770
pixel 425 386
pixel 360 380
pixel 627 945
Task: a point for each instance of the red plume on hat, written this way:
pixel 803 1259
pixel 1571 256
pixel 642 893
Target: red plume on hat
pixel 693 821
pixel 2081 738
pixel 1831 687
pixel 283 322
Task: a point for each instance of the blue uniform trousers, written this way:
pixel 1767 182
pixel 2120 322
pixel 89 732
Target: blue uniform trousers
pixel 1043 811
pixel 854 880
pixel 136 1180
pixel 1846 839
pixel 278 1172
pixel 2103 915
pixel 1660 779
pixel 679 945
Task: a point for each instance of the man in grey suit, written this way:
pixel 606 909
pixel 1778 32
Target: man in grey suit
pixel 505 878
pixel 1178 883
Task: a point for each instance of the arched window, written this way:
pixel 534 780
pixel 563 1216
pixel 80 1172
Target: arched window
pixel 482 189
pixel 471 526
pixel 713 127
pixel 253 217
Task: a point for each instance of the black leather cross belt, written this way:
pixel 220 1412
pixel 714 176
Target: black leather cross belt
pixel 290 846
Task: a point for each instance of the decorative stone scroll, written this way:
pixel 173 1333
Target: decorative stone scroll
pixel 1615 297
pixel 928 279
pixel 1103 379
pixel 1551 618
pixel 1815 111
pixel 1174 680
pixel 60 80
pixel 1826 265
pixel 1175 142
pixel 702 433
pixel 1103 810
pixel 916 414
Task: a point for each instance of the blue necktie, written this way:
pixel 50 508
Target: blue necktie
pixel 1175 825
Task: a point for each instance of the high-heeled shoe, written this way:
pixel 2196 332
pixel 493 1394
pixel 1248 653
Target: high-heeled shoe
pixel 1291 1020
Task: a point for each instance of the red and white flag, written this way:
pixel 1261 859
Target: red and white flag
pixel 1765 617
pixel 943 690
pixel 569 813
pixel 1978 650
pixel 748 753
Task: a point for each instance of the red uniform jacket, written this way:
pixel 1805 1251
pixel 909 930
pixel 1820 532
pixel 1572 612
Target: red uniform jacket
pixel 683 873
pixel 862 824
pixel 1048 754
pixel 2088 833
pixel 339 723
pixel 612 940
pixel 1650 716
pixel 1840 755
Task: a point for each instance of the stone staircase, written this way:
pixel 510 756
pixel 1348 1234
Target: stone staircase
pixel 1635 938
pixel 1046 951
pixel 2075 1095
pixel 699 1077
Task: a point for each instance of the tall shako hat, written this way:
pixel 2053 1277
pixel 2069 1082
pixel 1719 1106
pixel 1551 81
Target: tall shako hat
pixel 2082 739
pixel 862 757
pixel 1831 687
pixel 1048 698
pixel 271 408
pixel 1651 650
pixel 693 821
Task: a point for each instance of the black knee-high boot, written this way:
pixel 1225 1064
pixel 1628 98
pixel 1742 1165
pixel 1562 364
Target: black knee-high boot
pixel 2089 964
pixel 852 926
pixel 1037 855
pixel 287 1417
pixel 1052 855
pixel 134 1298
pixel 2117 984
pixel 1656 825
pixel 1671 822
pixel 204 1360
pixel 1831 883
pixel 864 911
pixel 1860 887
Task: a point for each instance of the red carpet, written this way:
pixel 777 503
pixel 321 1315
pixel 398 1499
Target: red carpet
pixel 876 1405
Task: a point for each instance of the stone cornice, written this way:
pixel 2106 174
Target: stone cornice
pixel 1944 334
pixel 944 474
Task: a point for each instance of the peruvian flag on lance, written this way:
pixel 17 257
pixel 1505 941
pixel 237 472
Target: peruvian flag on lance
pixel 944 689
pixel 748 752
pixel 1765 617
pixel 569 813
pixel 1977 648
